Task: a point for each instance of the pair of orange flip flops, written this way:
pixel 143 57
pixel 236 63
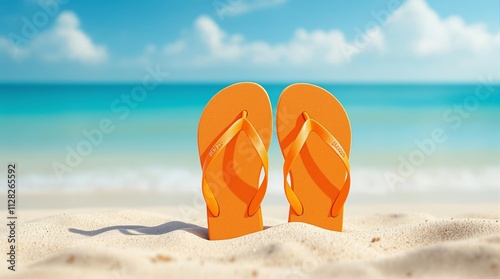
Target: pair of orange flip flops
pixel 234 135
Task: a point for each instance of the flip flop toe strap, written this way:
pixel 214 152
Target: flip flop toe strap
pixel 241 124
pixel 311 125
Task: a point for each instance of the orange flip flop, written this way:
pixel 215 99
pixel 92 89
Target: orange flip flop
pixel 315 138
pixel 234 135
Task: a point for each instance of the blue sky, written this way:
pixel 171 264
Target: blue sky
pixel 263 40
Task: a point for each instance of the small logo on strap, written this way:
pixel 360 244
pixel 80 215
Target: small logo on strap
pixel 339 149
pixel 215 148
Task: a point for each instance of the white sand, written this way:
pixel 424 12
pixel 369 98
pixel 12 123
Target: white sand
pixel 170 242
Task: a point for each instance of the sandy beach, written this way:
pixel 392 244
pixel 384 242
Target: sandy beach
pixel 379 241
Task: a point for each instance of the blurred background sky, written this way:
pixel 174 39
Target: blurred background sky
pixel 229 40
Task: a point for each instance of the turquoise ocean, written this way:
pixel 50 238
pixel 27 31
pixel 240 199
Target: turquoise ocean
pixel 148 143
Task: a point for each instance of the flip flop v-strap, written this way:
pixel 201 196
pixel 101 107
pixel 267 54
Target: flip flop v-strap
pixel 311 125
pixel 239 125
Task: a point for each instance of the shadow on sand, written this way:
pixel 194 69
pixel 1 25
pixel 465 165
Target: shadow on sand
pixel 145 230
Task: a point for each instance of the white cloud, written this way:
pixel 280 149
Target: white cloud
pixel 219 44
pixel 414 43
pixel 11 50
pixel 209 44
pixel 64 41
pixel 424 33
pixel 238 7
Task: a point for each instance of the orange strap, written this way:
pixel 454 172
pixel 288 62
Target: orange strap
pixel 311 125
pixel 242 124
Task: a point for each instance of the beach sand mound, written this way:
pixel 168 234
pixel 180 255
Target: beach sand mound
pixel 142 244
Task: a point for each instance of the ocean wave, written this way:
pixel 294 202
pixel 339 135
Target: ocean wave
pixel 168 179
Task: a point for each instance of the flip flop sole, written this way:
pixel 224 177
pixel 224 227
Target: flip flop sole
pixel 234 174
pixel 318 173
